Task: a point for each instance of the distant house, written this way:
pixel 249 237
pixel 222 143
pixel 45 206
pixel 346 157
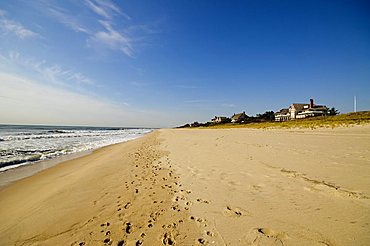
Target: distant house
pixel 300 111
pixel 220 119
pixel 239 118
pixel 296 108
pixel 282 115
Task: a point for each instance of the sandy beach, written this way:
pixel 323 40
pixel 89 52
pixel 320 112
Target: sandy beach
pixel 201 187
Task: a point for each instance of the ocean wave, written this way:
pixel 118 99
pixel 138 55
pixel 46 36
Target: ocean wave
pixel 20 160
pixel 58 131
pixel 66 134
pixel 22 147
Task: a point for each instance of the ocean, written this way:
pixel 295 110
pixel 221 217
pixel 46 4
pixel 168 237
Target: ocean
pixel 24 145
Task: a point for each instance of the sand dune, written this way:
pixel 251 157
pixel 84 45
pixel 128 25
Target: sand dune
pixel 195 187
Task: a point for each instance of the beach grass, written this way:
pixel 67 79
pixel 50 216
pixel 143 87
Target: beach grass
pixel 349 119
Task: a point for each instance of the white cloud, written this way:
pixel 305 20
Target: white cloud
pixel 68 20
pixel 112 39
pixel 52 73
pixel 105 8
pixel 101 36
pixel 81 79
pixel 98 10
pixel 102 25
pixel 24 101
pixel 10 26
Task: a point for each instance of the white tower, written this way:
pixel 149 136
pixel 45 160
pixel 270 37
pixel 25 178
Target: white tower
pixel 354 104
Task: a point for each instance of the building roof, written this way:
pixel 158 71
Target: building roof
pixel 298 106
pixel 320 107
pixel 282 111
pixel 238 116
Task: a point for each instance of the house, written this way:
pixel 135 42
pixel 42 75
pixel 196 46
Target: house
pixel 220 119
pixel 300 111
pixel 296 108
pixel 312 111
pixel 282 115
pixel 239 118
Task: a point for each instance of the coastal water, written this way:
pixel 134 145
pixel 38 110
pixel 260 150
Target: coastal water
pixel 24 145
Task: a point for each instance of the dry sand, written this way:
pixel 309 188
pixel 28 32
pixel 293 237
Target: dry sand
pixel 118 195
pixel 186 187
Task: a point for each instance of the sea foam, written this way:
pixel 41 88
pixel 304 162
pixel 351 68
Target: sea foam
pixel 23 145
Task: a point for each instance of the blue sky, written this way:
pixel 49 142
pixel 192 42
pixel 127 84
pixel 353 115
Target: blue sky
pixel 165 63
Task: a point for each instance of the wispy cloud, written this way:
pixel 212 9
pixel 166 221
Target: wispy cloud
pixel 26 101
pixel 52 73
pixel 102 35
pixel 105 9
pixel 81 79
pixel 51 105
pixel 10 26
pixel 67 19
pixel 105 26
pixel 112 39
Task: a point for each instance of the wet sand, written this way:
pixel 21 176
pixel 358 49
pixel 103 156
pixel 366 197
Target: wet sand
pixel 24 171
pixel 194 187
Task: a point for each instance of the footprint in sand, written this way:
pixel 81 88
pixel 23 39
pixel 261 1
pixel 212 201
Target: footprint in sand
pixel 108 241
pixel 81 243
pixel 265 236
pixel 127 205
pixel 235 212
pixel 201 241
pixel 105 224
pixel 202 201
pixel 168 239
pixel 128 228
pixel 188 203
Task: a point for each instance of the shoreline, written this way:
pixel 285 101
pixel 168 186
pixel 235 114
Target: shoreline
pixel 17 173
pixel 198 187
pixel 11 175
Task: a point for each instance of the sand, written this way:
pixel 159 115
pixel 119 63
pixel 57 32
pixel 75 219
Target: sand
pixel 201 186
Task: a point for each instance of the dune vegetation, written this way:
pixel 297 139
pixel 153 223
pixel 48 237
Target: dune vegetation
pixel 357 118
